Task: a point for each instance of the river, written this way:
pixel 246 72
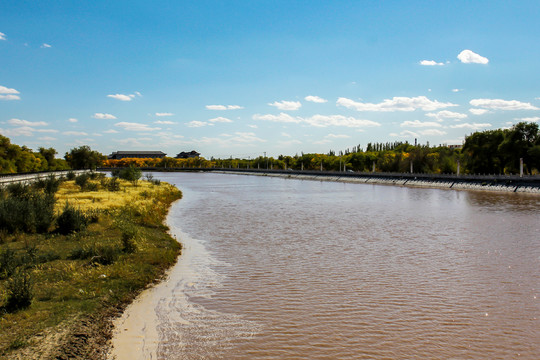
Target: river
pixel 287 269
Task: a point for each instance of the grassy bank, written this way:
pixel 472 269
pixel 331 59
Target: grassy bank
pixel 105 244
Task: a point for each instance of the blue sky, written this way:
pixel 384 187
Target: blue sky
pixel 239 78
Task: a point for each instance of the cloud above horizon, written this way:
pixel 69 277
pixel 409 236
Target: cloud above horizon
pixel 19 122
pixel 220 119
pixel 396 104
pixel 445 114
pixel 129 126
pixel 3 36
pixel 224 107
pixel 286 105
pixel 315 99
pixel 8 93
pixel 499 104
pixel 164 114
pixel 470 57
pixel 103 116
pixel 431 63
pixel 319 120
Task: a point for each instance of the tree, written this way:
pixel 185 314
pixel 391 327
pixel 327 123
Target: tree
pixel 517 144
pixel 84 158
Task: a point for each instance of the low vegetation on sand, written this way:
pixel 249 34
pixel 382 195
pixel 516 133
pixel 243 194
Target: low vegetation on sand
pixel 73 253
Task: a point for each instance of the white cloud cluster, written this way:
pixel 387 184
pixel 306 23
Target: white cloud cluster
pixel 445 114
pixel 163 122
pixel 479 111
pixel 196 124
pixel 164 114
pixel 420 124
pixel 470 57
pixel 224 107
pixel 8 94
pixel 529 119
pixel 396 104
pixel 46 46
pixel 104 116
pixel 123 97
pixel 135 126
pixel 3 36
pixel 499 104
pixel 315 99
pixel 19 122
pixel 318 120
pixel 220 119
pixel 431 63
pixel 286 105
pixel 472 126
pixel 74 133
pixel 72 120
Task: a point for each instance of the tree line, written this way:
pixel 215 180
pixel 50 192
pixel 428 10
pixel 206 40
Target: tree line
pixel 487 152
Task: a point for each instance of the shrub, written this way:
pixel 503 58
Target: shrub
pixel 71 175
pixel 19 291
pixel 98 254
pixel 113 185
pixel 71 220
pixel 18 190
pixel 91 186
pixel 31 213
pixel 115 173
pixel 82 181
pixel 131 173
pixel 128 240
pixel 8 263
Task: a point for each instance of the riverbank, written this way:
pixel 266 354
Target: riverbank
pixel 480 183
pixel 84 279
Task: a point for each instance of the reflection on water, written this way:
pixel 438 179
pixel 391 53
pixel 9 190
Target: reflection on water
pixel 318 270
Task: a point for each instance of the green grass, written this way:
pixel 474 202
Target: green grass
pixel 86 272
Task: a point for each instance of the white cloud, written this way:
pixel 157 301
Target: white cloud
pixel 431 63
pixel 529 119
pixel 286 105
pixel 456 90
pixel 469 57
pixel 499 104
pixel 220 120
pixel 47 138
pixel 315 99
pixel 246 137
pixel 122 97
pixel 2 36
pixel 338 120
pixel 164 114
pixel 396 104
pixel 19 122
pixel 8 94
pixel 72 120
pixel 479 111
pixel 224 107
pixel 418 124
pixel 110 131
pixel 10 97
pixel 282 117
pixel 405 134
pixel 337 136
pixel 135 126
pixel 5 90
pixel 45 46
pixel 285 134
pixel 47 131
pixel 20 131
pixel 253 126
pixel 161 122
pixel 104 116
pixel 74 133
pixel 472 126
pixel 195 124
pixel 445 114
pixel 289 142
pixel 432 132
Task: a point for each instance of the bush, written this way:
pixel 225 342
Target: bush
pixel 71 175
pixel 131 173
pixel 34 212
pixel 128 240
pixel 19 291
pixel 112 184
pixel 82 181
pixel 18 190
pixel 8 263
pixel 50 185
pixel 71 220
pixel 98 254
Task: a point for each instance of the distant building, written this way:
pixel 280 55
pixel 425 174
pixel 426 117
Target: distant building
pixel 455 146
pixel 117 155
pixel 187 155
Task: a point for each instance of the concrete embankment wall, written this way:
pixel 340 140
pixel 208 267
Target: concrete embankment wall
pixel 6 179
pixel 501 183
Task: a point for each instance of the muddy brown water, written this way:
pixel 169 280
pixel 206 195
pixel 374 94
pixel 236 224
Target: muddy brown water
pixel 288 269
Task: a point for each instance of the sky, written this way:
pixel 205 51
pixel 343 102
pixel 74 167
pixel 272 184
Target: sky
pixel 244 78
